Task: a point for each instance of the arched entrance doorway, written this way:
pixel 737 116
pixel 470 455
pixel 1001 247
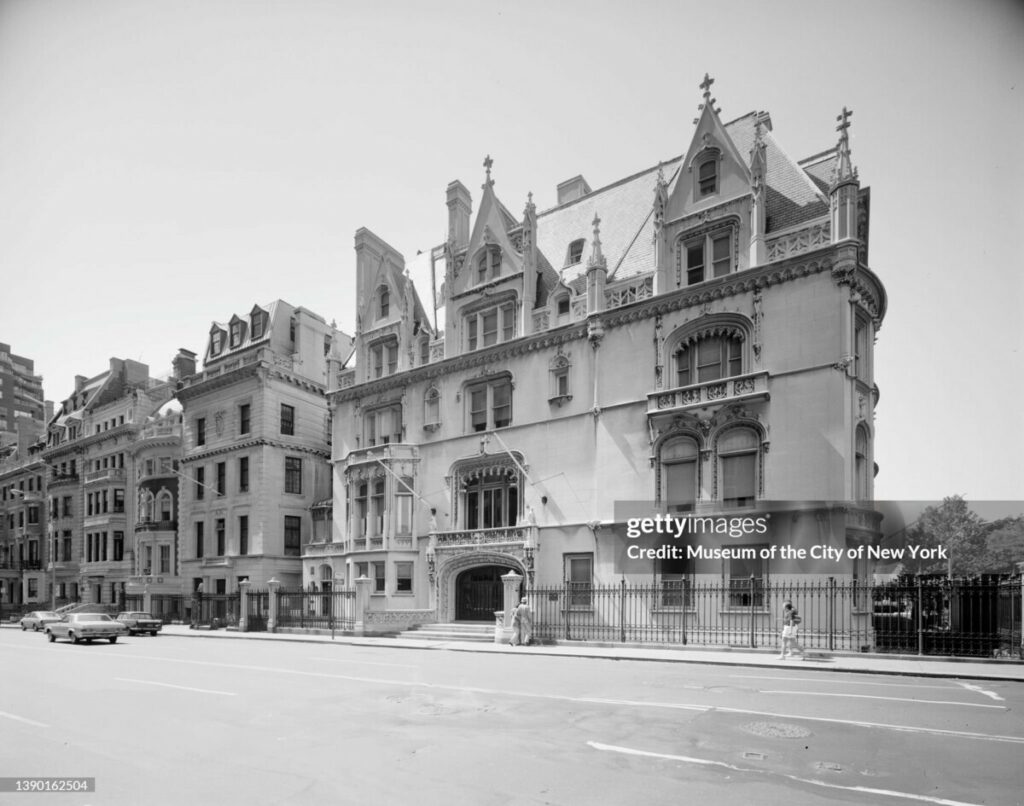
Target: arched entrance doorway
pixel 479 592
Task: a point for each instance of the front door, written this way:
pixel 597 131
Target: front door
pixel 479 592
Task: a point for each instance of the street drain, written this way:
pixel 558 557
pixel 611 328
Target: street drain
pixel 754 756
pixel 776 730
pixel 831 766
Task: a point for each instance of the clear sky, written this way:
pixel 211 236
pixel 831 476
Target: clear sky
pixel 165 164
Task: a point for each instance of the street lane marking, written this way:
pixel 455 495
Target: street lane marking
pixel 369 662
pixel 629 751
pixel 826 680
pixel 980 690
pixel 171 685
pixel 595 700
pixel 31 722
pixel 890 699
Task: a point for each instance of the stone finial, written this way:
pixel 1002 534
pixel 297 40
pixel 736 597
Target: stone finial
pixel 488 162
pixel 596 256
pixel 706 86
pixel 844 169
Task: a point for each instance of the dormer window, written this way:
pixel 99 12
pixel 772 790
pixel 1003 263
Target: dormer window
pixel 384 306
pixel 488 266
pixel 575 252
pixel 237 332
pixel 257 322
pixel 707 177
pixel 216 341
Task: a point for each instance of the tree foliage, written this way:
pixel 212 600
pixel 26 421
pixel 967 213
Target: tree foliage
pixel 953 526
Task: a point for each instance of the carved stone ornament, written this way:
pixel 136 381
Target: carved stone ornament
pixel 218 423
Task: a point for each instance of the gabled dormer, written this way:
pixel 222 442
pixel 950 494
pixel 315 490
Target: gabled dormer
pixel 237 331
pixel 491 254
pixel 259 323
pixel 218 341
pixel 713 171
pixel 485 286
pixel 391 322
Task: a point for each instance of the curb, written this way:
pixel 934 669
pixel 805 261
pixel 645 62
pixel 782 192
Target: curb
pixel 557 650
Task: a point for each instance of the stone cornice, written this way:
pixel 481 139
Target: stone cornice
pixel 186 392
pixel 254 443
pixel 859 277
pixel 490 355
pixel 129 430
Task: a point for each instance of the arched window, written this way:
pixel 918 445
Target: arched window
pixel 679 474
pixel 709 358
pixel 432 409
pixel 384 299
pixel 488 265
pixel 738 453
pixel 492 501
pixel 707 177
pixel 165 506
pixel 862 481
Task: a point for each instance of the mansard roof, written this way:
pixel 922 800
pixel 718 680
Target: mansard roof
pixel 247 340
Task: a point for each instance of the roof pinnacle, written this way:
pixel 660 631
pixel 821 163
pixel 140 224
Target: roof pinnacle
pixel 488 162
pixel 844 166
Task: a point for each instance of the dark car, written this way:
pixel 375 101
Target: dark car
pixel 137 622
pixel 78 627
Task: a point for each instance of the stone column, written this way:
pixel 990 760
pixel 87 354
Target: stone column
pixel 362 604
pixel 243 605
pixel 147 600
pixel 503 627
pixel 273 586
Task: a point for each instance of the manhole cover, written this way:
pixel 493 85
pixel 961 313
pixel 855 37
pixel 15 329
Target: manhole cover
pixel 754 756
pixel 776 730
pixel 831 766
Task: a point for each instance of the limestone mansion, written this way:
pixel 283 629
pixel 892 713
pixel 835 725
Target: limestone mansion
pixel 694 338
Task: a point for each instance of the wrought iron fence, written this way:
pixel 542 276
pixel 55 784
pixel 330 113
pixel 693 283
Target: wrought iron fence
pixel 325 610
pixel 214 610
pixel 916 616
pixel 1008 610
pixel 938 616
pixel 168 607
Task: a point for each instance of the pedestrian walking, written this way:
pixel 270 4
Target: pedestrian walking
pixel 790 631
pixel 522 624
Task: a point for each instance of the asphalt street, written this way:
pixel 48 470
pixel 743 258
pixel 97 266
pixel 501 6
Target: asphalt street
pixel 173 721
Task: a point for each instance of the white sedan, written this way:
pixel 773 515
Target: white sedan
pixel 38 619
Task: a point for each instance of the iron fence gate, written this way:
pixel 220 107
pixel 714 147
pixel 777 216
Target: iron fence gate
pixel 257 610
pixel 325 610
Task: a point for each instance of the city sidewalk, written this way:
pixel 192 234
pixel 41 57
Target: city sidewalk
pixel 962 668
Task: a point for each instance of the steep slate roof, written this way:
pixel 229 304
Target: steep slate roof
pixel 820 168
pixel 796 194
pixel 793 197
pixel 248 341
pixel 627 227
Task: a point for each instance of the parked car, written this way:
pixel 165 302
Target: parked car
pixel 78 627
pixel 137 621
pixel 38 619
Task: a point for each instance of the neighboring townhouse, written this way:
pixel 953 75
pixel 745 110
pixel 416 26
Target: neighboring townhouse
pixel 256 447
pixel 92 481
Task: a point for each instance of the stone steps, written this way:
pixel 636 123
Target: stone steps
pixel 477 632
